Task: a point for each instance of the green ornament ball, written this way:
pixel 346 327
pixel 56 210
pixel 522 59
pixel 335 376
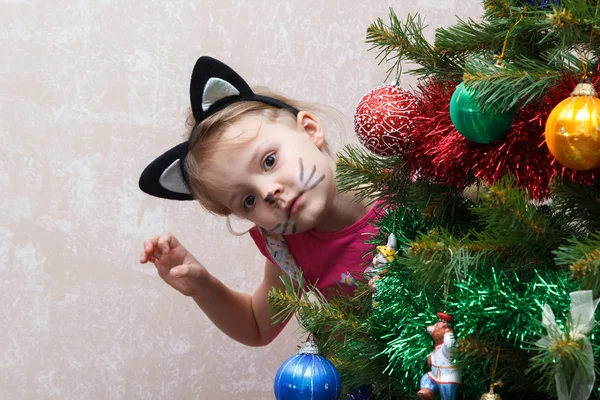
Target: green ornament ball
pixel 476 125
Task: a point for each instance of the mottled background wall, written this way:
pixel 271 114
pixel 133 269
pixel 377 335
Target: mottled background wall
pixel 90 92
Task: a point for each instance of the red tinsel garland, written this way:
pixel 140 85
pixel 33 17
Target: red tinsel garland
pixel 441 153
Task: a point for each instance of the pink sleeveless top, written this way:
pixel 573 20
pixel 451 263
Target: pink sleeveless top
pixel 328 258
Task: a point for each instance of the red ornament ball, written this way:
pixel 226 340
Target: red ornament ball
pixel 382 120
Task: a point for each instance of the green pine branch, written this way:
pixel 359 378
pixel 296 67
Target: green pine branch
pixel 443 205
pixel 399 40
pixel 576 207
pixel 439 257
pixel 514 224
pixel 340 325
pixel 582 257
pixel 507 208
pixel 511 230
pixel 542 44
pixel 370 176
pixel 508 85
pixel 316 314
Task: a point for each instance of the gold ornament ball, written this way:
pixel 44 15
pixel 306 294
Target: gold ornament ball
pixel 490 396
pixel 573 128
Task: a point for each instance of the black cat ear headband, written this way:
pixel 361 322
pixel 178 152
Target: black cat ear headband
pixel 213 87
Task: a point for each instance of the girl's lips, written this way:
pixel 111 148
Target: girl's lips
pixel 295 205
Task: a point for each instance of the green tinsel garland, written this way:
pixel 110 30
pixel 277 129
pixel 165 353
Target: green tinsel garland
pixel 491 309
pixel 497 312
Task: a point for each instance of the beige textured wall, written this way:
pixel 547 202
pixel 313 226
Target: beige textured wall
pixel 90 92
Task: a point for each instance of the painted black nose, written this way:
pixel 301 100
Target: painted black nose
pixel 270 197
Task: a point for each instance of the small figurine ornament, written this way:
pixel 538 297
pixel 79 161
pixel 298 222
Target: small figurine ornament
pixel 385 255
pixel 444 377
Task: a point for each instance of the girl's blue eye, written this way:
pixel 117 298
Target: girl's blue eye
pixel 269 161
pixel 248 202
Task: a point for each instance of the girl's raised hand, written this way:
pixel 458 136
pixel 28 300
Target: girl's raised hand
pixel 175 265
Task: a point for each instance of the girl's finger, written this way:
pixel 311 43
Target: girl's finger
pixel 164 243
pixel 180 271
pixel 156 252
pixel 151 241
pixel 150 244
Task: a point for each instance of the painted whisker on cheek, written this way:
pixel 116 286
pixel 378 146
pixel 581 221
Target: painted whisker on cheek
pixel 287 225
pixel 311 174
pixel 284 227
pixel 308 185
pixel 275 228
pixel 317 182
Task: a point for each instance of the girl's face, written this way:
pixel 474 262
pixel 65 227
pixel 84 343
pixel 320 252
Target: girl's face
pixel 274 173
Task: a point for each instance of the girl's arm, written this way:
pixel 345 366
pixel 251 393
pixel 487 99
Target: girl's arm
pixel 243 317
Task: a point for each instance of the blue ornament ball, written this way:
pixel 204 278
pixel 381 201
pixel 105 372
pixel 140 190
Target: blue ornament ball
pixel 307 376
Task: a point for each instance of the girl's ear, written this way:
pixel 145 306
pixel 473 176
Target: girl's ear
pixel 310 126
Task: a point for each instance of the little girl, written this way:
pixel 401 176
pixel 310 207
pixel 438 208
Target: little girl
pixel 264 159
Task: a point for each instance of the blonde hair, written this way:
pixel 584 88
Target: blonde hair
pixel 206 136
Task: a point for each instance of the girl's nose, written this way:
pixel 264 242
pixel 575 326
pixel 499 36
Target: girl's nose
pixel 273 196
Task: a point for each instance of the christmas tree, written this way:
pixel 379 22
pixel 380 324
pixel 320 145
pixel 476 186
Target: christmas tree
pixel 494 193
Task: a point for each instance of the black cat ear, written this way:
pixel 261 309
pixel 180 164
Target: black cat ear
pixel 165 176
pixel 213 86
